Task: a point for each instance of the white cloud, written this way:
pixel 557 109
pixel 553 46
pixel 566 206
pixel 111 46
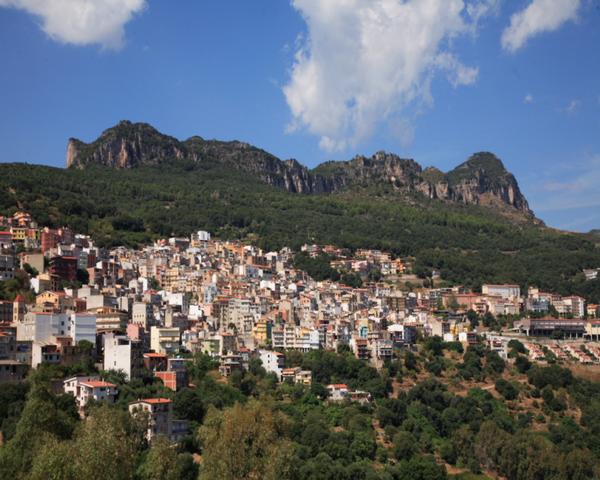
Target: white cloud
pixel 573 106
pixel 528 98
pixel 539 16
pixel 577 187
pixel 367 61
pixel 458 74
pixel 479 10
pixel 82 22
pixel 403 130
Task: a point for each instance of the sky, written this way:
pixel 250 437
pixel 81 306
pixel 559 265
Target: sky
pixel 317 80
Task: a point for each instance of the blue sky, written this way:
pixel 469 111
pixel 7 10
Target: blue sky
pixel 434 80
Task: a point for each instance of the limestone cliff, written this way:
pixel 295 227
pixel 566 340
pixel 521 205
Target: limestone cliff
pixel 481 180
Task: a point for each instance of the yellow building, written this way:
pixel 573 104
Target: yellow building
pixel 260 332
pixel 592 328
pixel 19 233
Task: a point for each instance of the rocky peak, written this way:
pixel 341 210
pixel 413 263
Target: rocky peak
pixel 481 180
pixel 484 180
pixel 125 145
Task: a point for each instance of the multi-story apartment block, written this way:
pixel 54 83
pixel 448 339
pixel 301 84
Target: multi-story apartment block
pixel 7 266
pixel 44 327
pixel 123 354
pixel 165 340
pixel 509 292
pixel 159 412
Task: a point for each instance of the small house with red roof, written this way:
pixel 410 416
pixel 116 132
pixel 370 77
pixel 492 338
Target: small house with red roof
pixel 85 388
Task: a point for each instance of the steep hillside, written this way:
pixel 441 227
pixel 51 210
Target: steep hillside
pixel 468 244
pixel 481 180
pixel 134 184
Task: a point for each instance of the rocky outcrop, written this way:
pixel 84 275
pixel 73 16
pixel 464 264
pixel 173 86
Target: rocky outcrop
pixel 484 180
pixel 481 180
pixel 126 145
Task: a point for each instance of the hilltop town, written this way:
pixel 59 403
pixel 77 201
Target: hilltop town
pixel 182 296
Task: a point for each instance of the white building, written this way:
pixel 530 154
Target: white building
pixel 121 353
pixel 290 337
pixel 272 362
pixel 203 236
pixel 82 326
pixel 177 300
pixel 42 327
pixel 338 392
pixel 576 306
pixel 509 292
pixel 591 274
pixel 85 388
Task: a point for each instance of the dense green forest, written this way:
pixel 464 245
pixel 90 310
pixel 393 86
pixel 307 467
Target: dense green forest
pixel 467 244
pixel 432 411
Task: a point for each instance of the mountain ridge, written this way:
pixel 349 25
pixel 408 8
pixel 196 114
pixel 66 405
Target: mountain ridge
pixel 480 180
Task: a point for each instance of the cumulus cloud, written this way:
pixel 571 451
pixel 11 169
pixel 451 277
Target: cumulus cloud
pixel 528 98
pixel 82 22
pixel 368 61
pixel 539 16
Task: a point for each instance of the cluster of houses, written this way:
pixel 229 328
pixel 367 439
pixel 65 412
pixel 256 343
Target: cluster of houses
pixel 583 353
pixel 140 309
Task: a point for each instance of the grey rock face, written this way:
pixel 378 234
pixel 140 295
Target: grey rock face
pixel 481 180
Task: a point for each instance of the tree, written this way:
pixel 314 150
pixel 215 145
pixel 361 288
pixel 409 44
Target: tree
pixel 351 279
pixel 164 463
pixel 410 360
pixel 516 346
pixel 579 464
pixel 436 366
pixel 261 448
pixel 434 344
pixel 506 389
pixel 488 320
pixel 473 318
pixel 31 271
pixel 419 468
pixel 106 444
pixel 522 364
pixel 40 421
pixel 557 335
pixel 188 405
pixel 54 461
pixel 363 446
pixel 404 445
pixel 494 363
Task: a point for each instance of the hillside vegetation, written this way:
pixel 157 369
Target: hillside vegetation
pixel 479 417
pixel 467 244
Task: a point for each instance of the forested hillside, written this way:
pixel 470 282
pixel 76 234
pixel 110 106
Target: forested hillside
pixel 437 412
pixel 467 244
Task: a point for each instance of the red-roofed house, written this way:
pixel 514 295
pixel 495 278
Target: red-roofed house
pixel 337 392
pixel 85 388
pixel 160 418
